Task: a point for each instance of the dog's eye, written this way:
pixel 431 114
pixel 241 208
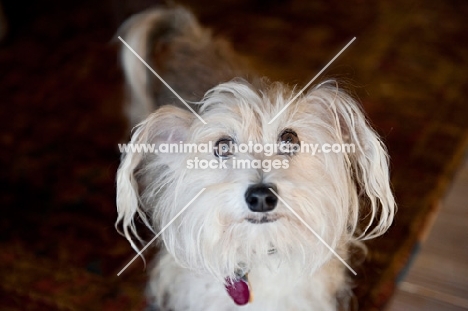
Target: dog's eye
pixel 223 148
pixel 289 142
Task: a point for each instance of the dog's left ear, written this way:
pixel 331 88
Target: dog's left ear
pixel 168 124
pixel 368 163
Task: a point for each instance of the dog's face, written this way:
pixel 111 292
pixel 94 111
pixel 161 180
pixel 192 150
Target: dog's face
pixel 248 214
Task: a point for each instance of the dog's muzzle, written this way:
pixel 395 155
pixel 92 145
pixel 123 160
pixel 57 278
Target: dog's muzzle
pixel 259 198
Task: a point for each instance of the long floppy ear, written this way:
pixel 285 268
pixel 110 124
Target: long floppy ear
pixel 368 163
pixel 168 124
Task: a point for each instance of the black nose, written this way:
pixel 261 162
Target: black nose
pixel 259 198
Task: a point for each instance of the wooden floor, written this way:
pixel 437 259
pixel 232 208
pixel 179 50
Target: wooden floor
pixel 438 278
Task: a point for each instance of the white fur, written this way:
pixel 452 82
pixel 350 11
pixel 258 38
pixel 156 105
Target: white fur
pixel 289 268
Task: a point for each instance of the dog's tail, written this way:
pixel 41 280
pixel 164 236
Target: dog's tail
pixel 134 32
pixel 179 50
pixel 141 35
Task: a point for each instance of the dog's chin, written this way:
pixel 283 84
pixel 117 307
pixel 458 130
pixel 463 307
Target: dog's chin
pixel 262 218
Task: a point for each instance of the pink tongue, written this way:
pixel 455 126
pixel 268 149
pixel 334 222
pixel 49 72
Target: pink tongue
pixel 239 291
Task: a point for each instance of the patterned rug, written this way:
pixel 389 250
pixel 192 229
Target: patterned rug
pixel 61 89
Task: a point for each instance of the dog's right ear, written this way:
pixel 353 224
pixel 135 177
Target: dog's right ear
pixel 168 124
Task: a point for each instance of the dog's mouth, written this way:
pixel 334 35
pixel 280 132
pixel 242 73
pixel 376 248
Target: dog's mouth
pixel 262 219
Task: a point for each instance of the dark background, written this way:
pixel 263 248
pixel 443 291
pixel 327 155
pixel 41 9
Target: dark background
pixel 61 117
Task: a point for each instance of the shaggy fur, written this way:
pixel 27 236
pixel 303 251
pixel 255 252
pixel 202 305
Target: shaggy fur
pixel 215 238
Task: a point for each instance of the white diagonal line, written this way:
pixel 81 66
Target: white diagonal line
pixel 310 82
pixel 160 232
pixel 164 82
pixel 313 231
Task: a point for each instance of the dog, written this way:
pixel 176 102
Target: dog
pixel 242 238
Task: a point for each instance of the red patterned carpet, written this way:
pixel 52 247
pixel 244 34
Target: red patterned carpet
pixel 61 92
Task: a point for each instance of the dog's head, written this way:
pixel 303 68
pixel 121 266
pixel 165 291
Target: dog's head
pixel 253 204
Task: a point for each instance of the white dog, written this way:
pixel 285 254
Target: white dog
pixel 251 238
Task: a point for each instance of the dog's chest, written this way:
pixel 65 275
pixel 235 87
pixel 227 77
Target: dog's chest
pixel 178 289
